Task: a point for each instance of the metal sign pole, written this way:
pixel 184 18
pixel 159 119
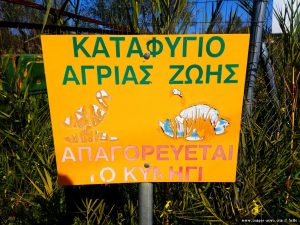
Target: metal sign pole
pixel 257 26
pixel 145 204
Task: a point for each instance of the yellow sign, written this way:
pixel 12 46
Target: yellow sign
pixel 146 108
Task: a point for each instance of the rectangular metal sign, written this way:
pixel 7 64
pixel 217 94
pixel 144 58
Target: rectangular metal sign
pixel 146 108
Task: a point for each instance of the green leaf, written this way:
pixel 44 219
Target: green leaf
pixel 294 213
pixel 49 3
pixel 42 194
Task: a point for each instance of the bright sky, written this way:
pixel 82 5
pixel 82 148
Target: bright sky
pixel 279 5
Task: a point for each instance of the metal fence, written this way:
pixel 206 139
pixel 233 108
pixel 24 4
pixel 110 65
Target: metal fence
pixel 228 16
pixel 272 82
pixel 265 81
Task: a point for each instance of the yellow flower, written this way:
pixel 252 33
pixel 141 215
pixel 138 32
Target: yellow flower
pixel 167 209
pixel 255 208
pixel 168 204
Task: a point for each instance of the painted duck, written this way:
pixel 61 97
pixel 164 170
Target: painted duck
pixel 190 123
pixel 88 117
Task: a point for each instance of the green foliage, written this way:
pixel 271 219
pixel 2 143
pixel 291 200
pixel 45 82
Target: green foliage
pixel 215 14
pixel 28 184
pixel 160 17
pixel 49 3
pixel 170 17
pixel 93 211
